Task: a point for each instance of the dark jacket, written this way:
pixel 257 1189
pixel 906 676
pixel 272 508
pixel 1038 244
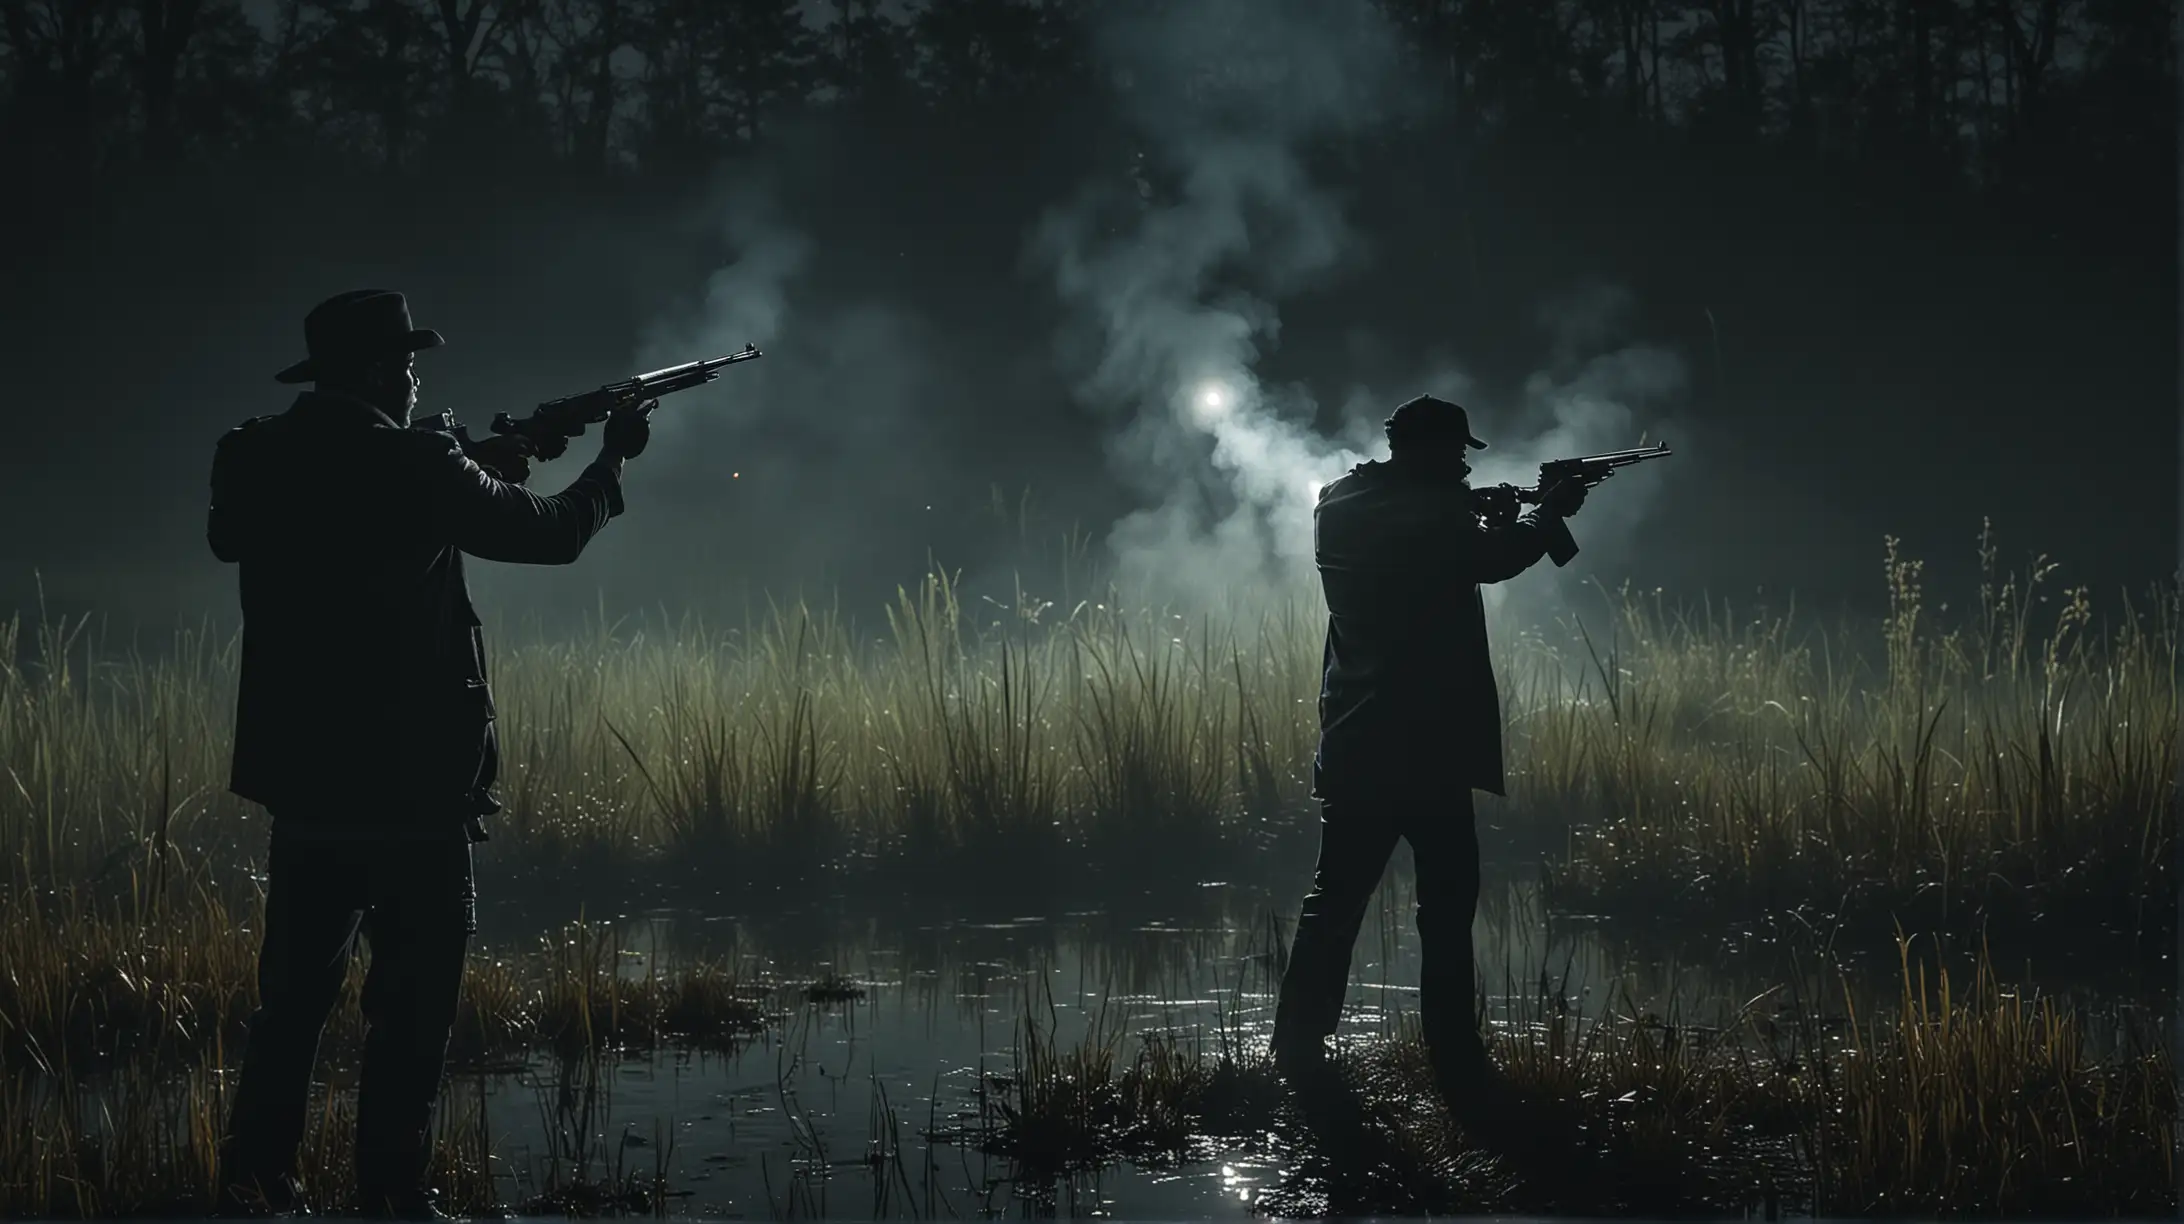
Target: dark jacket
pixel 363 701
pixel 1407 697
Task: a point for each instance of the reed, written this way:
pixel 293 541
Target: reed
pixel 2015 759
pixel 1998 768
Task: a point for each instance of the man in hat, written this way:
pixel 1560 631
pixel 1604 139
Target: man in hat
pixel 365 727
pixel 1410 725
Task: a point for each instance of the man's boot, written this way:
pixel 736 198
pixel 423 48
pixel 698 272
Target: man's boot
pixel 390 1175
pixel 1297 1058
pixel 1475 1091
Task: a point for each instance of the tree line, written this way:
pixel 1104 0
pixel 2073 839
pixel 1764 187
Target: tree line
pixel 1985 93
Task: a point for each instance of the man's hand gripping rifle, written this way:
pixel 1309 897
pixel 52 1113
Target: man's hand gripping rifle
pixel 551 425
pixel 546 432
pixel 1499 504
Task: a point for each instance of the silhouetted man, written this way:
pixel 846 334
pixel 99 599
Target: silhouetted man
pixel 1410 725
pixel 365 727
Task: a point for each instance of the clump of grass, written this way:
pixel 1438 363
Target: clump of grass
pixel 92 984
pixel 834 988
pixel 149 1146
pixel 1068 1108
pixel 964 735
pixel 1974 1093
pixel 577 1000
pixel 1980 1103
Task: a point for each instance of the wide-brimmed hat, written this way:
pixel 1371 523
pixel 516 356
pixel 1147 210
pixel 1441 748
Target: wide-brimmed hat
pixel 363 325
pixel 1430 421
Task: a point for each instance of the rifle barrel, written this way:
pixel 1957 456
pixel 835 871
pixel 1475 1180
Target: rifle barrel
pixel 702 370
pixel 1633 455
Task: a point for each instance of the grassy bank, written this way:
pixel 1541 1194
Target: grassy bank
pixel 121 1023
pixel 95 985
pixel 2014 759
pixel 1962 1099
pixel 147 1145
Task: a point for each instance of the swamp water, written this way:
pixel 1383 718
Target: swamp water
pixel 887 1026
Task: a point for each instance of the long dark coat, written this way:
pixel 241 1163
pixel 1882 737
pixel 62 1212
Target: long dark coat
pixel 1407 696
pixel 363 699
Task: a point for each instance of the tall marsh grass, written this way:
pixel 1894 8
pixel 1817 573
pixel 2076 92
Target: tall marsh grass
pixel 2021 754
pixel 2022 759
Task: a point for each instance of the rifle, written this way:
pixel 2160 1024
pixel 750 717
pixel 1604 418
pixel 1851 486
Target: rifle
pixel 551 424
pixel 1498 504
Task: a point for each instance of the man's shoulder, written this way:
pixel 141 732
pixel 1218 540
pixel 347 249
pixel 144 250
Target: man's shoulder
pixel 251 428
pixel 423 445
pixel 1359 477
pixel 423 453
pixel 252 432
pixel 1373 500
pixel 245 450
pixel 1372 487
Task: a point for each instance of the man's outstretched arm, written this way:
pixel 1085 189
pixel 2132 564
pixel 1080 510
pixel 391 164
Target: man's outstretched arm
pixel 1497 554
pixel 494 520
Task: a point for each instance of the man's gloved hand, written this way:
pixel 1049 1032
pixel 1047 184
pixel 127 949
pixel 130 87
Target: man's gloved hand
pixel 628 430
pixel 506 456
pixel 1564 500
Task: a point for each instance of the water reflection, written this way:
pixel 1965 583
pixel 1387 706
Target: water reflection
pixel 826 1114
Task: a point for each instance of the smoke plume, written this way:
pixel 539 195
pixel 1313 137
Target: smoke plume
pixel 1173 285
pixel 1597 393
pixel 746 301
pixel 791 476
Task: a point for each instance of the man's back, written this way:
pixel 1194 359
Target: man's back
pixel 1408 689
pixel 325 512
pixel 363 676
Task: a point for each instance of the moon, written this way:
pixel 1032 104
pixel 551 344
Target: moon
pixel 1212 401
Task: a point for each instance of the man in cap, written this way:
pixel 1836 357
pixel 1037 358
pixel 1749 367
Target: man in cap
pixel 365 727
pixel 1410 725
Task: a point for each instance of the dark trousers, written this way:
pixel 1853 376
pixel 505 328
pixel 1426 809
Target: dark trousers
pixel 415 902
pixel 1358 832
